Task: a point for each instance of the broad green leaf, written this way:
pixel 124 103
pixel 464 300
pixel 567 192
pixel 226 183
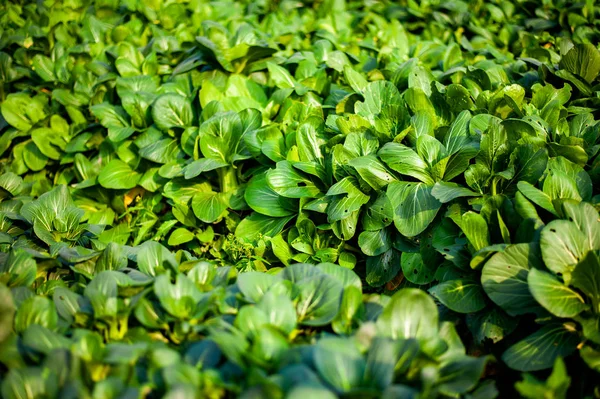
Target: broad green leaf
pixel 462 296
pixel 172 110
pixel 220 136
pixel 345 276
pixel 154 259
pixel 28 382
pixel 301 391
pixel 536 196
pixel 288 182
pixel 346 198
pixel 415 207
pixel 162 151
pixel 406 161
pixel 261 198
pixel 458 135
pixel 553 295
pixel 339 363
pixel 384 356
pixel 36 310
pixel 310 139
pixel 41 339
pixel 279 311
pixel 355 79
pixel 539 350
pixel 445 192
pixel 378 214
pixel 491 324
pixel 416 270
pixel 351 311
pixel 280 76
pixel 254 285
pixel 504 278
pixel 180 236
pixel 111 116
pixel 461 375
pixel 256 225
pixel 494 147
pixel 372 171
pixel 582 60
pixel 384 108
pixel 563 246
pixel 458 98
pixel 209 206
pixel 118 175
pixel 319 300
pixel 180 299
pixel 33 157
pixel 529 163
pixel 586 277
pixel 555 386
pixel 203 165
pixel 382 268
pixel 587 220
pixel 49 142
pixel 44 67
pixel 476 229
pixel 21 111
pixel 373 243
pixel 410 313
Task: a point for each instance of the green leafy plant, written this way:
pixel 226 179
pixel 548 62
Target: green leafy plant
pixel 202 199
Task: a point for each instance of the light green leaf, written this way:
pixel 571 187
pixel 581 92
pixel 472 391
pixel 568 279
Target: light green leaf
pixel 180 236
pixel 410 313
pixel 319 300
pixel 209 206
pixel 446 191
pixel 172 110
pixel 504 278
pixel 414 207
pixel 288 182
pixel 563 246
pixel 118 175
pixel 553 295
pixel 280 76
pixel 583 60
pixel 255 225
pixel 406 161
pixel 261 198
pixel 476 229
pixel 586 277
pixel 339 363
pixel 21 111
